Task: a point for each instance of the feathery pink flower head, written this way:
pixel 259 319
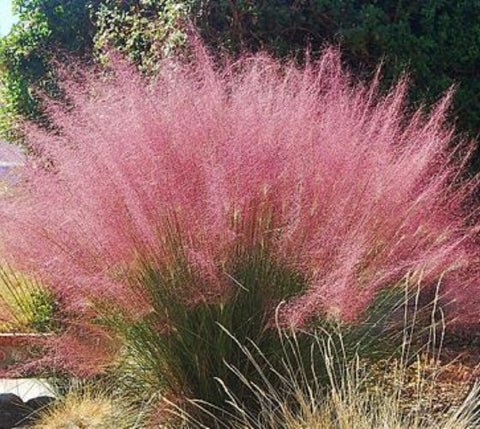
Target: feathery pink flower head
pixel 340 182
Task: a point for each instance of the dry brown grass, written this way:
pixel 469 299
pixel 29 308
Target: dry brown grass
pixel 87 411
pixel 395 397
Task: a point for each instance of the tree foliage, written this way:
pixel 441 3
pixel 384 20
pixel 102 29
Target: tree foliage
pixel 47 29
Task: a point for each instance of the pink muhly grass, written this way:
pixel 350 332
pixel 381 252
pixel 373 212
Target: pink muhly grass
pixel 207 164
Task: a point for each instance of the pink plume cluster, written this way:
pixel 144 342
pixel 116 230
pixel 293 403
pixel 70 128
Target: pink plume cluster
pixel 340 182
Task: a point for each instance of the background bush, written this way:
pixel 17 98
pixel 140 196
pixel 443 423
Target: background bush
pixel 437 41
pixel 47 30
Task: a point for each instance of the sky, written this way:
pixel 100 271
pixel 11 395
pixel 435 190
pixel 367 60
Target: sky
pixel 6 17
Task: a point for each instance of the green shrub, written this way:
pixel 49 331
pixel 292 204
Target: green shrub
pixel 27 306
pixel 144 31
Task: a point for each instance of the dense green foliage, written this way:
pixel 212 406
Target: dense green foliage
pixel 47 29
pixel 144 31
pixel 437 41
pixel 28 306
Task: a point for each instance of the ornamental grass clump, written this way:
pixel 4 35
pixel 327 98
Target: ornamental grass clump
pixel 406 392
pixel 87 409
pixel 243 195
